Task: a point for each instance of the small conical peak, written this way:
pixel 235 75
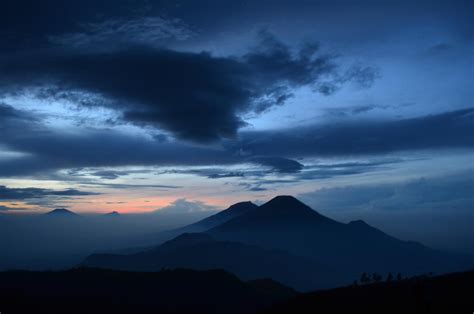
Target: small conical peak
pixel 61 212
pixel 112 214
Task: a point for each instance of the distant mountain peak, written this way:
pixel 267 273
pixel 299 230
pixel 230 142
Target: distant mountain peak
pixel 112 214
pixel 61 212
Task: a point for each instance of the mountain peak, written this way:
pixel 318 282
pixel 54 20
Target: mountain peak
pixel 233 211
pixel 287 204
pixel 241 206
pixel 281 211
pixel 61 212
pixel 112 214
pixel 287 199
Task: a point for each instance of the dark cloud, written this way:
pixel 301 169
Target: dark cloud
pixel 47 150
pixel 344 112
pixel 112 174
pixel 226 175
pixel 26 24
pixel 112 33
pixel 165 89
pixel 9 194
pixel 446 193
pixel 439 49
pixel 161 187
pixel 325 171
pixel 279 164
pixel 446 130
pixel 11 118
pixel 109 174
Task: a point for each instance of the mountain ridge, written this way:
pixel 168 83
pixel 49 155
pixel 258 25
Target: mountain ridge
pixel 308 242
pixel 61 212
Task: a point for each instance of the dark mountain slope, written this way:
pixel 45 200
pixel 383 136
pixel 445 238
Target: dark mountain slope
pixel 202 252
pixel 149 241
pixel 287 224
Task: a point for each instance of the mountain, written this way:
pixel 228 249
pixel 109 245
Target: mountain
pixel 221 217
pixel 205 224
pixel 287 224
pixel 169 291
pixel 451 293
pixel 200 251
pixel 112 214
pixel 61 212
pixel 286 240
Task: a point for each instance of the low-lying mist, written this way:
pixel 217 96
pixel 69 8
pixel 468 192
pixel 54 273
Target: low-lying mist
pixel 46 242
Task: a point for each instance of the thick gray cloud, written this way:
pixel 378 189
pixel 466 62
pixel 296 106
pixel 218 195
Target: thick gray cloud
pixel 48 150
pixel 452 192
pixel 446 130
pixel 165 89
pixel 30 24
pixel 279 164
pixel 9 194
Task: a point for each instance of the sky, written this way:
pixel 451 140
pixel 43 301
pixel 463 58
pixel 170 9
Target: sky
pixel 359 108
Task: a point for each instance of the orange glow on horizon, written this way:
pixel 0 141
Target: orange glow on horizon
pixel 136 205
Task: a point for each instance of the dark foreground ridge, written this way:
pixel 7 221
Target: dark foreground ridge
pixel 104 291
pixel 215 291
pixel 447 294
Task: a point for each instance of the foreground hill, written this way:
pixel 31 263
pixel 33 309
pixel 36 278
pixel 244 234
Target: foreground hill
pixel 100 291
pixel 200 251
pixel 447 294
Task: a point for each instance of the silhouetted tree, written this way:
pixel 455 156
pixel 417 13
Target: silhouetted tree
pixel 376 277
pixel 364 278
pixel 389 277
pixel 399 277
